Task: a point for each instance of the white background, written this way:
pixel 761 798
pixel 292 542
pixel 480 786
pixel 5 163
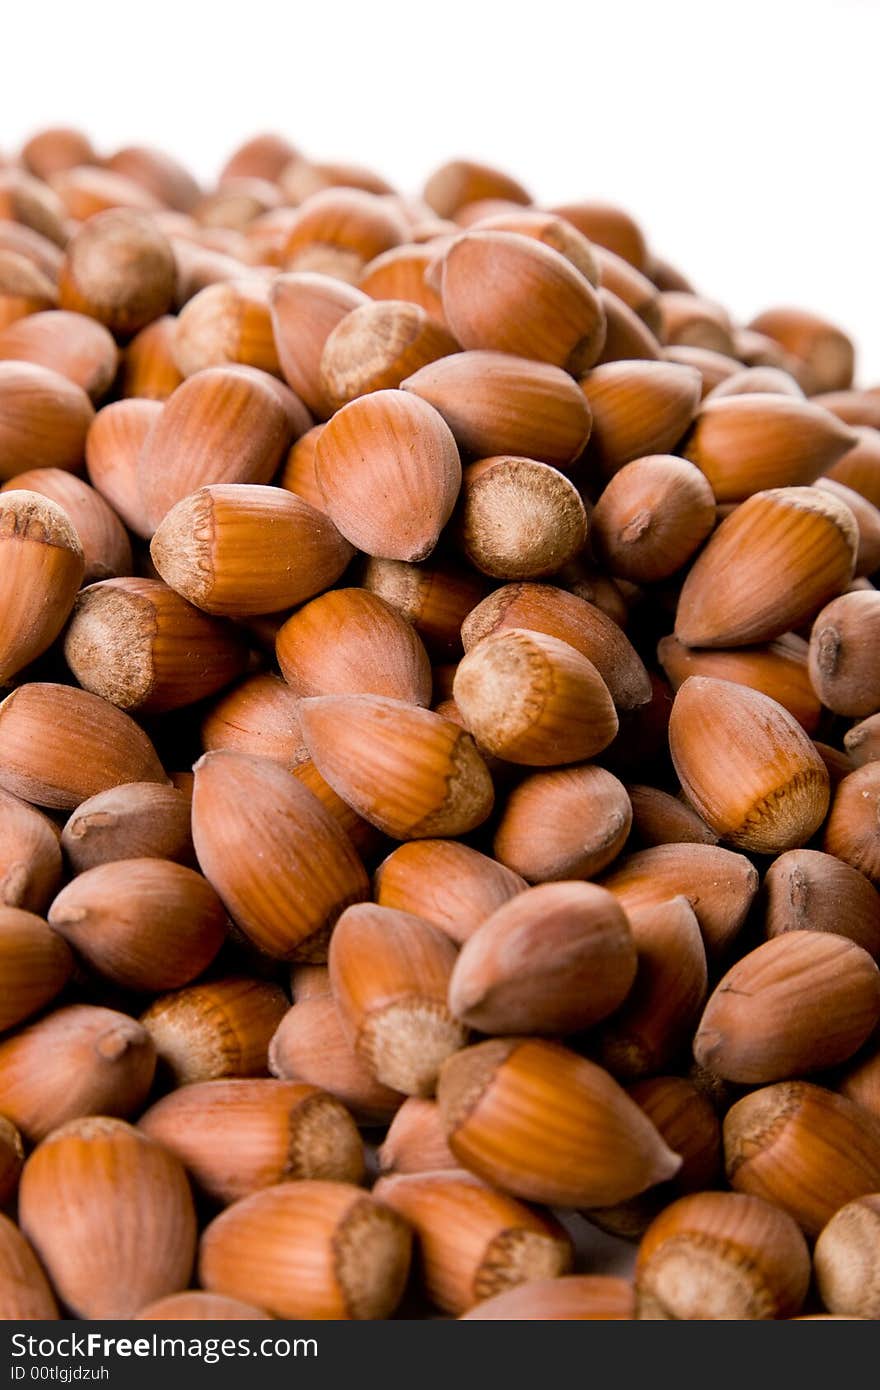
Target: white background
pixel 744 136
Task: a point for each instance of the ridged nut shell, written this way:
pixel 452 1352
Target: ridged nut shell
pixel 390 975
pixel 651 518
pixel 763 380
pixel 690 318
pixel 60 745
pixel 825 354
pixel 408 771
pixel 25 290
pixel 30 856
pixel 473 1242
pixel 138 644
pixel 557 613
pixel 29 201
pixel 722 1256
pixel 655 1021
pixel 852 831
pixel 627 336
pixel 804 1001
pixel 862 742
pixel 568 1298
pixel 749 442
pixel 529 698
pixel 149 370
pixel 844 658
pixel 367 840
pixel 90 1061
pixel 448 883
pixel 861 1080
pixel 305 308
pixel 76 346
pixel 807 890
pixel 41 569
pixel 777 669
pixel 497 404
pixel 719 885
pixel 555 232
pixel 377 345
pixel 506 293
pixel 214 1029
pixel 196 1306
pixel 25 1294
pixel 298 472
pixel 747 766
pixel 638 408
pixel 139 820
pixel 435 598
pixel 768 568
pixel 556 959
pixel 105 545
pixel 630 282
pixel 390 472
pixel 44 419
pixel 223 425
pixel 146 924
pixel 867 517
pixel 803 1148
pixel 401 274
pixel 280 863
pixel 548 1126
pixel 687 1120
pixel 113 446
pixel 859 469
pixel 258 716
pixel 234 1137
pixel 111 1216
pixel 310 1249
pixel 119 269
pixel 35 965
pixel 610 227
pixel 351 642
pixel 310 1044
pixel 461 181
pixel 228 322
pixel 416 1140
pixel 567 823
pixel 240 549
pixel 846 1260
pixel 338 230
pixel 659 818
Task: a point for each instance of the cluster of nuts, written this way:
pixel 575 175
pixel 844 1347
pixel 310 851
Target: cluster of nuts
pixel 512 608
